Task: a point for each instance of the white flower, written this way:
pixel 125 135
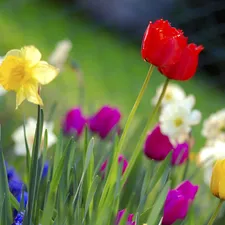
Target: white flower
pixel 208 156
pixel 18 136
pixel 177 118
pixel 60 54
pixel 173 94
pixel 214 126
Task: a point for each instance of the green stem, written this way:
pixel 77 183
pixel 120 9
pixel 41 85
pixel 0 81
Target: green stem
pixel 143 135
pixel 135 106
pixel 215 214
pixel 118 148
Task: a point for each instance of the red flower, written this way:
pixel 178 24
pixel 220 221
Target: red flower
pixel 186 67
pixel 162 44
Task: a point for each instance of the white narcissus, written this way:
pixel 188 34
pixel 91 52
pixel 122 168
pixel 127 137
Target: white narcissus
pixel 18 136
pixel 214 126
pixel 177 118
pixel 208 156
pixel 173 94
pixel 60 53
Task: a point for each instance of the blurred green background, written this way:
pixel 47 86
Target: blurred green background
pixel 112 66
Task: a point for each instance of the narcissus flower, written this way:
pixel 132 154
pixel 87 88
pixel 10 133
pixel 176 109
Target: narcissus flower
pixel 162 44
pixel 120 215
pixel 104 121
pixel 185 68
pixel 18 136
pixel 60 53
pixel 218 180
pixel 214 126
pixel 177 119
pixel 74 122
pixel 178 201
pixel 23 71
pixel 174 93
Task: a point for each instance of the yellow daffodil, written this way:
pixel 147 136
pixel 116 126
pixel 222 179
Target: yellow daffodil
pixel 218 179
pixel 23 71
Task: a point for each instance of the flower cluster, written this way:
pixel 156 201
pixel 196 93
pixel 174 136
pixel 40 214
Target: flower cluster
pixel 166 48
pixel 101 123
pixel 173 131
pixel 69 179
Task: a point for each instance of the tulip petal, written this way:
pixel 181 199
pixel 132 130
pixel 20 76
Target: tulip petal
pixel 222 181
pixel 188 189
pixel 31 54
pixel 44 73
pixel 215 180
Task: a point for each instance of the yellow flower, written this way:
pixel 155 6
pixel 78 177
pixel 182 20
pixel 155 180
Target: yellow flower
pixel 22 71
pixel 218 179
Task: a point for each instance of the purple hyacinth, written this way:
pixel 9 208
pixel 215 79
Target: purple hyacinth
pixel 19 219
pixel 180 154
pixel 157 145
pixel 178 201
pixel 104 121
pixel 74 122
pixel 129 218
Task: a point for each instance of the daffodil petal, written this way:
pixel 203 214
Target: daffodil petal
pixel 14 52
pixel 31 91
pixel 44 73
pixel 31 54
pixel 20 97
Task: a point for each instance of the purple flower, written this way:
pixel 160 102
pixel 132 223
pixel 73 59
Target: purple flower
pixel 15 186
pixel 19 219
pixel 129 219
pixel 178 201
pixel 104 121
pixel 74 122
pixel 157 145
pixel 180 154
pixel 121 159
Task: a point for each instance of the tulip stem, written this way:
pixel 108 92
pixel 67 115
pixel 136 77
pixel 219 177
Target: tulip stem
pixel 143 135
pixel 215 214
pixel 135 106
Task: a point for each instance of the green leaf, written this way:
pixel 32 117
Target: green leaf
pixel 33 181
pixel 162 167
pixel 28 158
pixel 49 208
pixel 154 216
pixel 6 218
pixel 86 163
pixel 90 196
pixel 15 204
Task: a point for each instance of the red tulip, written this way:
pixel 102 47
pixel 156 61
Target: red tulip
pixel 162 44
pixel 186 67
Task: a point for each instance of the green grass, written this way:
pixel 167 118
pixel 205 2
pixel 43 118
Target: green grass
pixel 113 68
